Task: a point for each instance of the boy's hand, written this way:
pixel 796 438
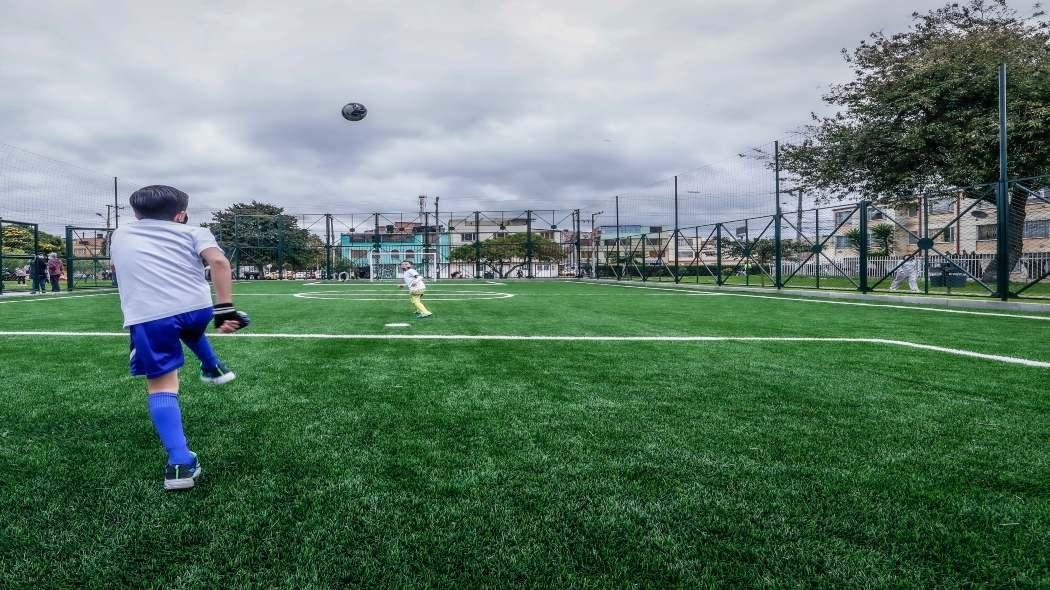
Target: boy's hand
pixel 228 319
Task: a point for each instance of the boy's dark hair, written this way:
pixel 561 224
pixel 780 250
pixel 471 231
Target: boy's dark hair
pixel 408 261
pixel 158 201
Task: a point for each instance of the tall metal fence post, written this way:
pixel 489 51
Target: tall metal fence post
pixel 643 244
pixel 329 245
pixel 925 238
pixel 236 239
pixel 375 249
pixel 676 272
pixel 426 239
pixel 1002 242
pixel 528 242
pixel 437 238
pixel 579 244
pixel 718 254
pixel 862 252
pixel 69 259
pixel 777 249
pixel 280 247
pixel 477 244
pixel 617 261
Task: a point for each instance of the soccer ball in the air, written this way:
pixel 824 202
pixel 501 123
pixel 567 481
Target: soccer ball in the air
pixel 354 111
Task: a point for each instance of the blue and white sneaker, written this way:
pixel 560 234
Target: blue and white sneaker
pixel 218 375
pixel 182 477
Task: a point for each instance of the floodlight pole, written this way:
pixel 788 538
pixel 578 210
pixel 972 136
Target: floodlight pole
pixel 116 206
pixel 1002 198
pixel 594 245
pixel 477 245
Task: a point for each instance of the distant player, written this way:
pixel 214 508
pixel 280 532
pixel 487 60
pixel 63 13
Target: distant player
pixel 908 271
pixel 167 303
pixel 416 288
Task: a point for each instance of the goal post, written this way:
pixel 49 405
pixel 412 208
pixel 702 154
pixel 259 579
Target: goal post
pixel 386 266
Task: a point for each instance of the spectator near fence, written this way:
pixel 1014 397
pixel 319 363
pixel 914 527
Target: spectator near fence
pixel 38 273
pixel 20 274
pixel 55 271
pixel 908 270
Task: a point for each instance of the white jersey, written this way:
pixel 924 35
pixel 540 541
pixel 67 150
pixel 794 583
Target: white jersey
pixel 414 281
pixel 159 270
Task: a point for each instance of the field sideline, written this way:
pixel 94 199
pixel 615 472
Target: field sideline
pixel 540 434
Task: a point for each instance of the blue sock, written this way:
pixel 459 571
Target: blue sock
pixel 202 348
pixel 167 419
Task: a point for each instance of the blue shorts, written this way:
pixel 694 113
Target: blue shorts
pixel 156 346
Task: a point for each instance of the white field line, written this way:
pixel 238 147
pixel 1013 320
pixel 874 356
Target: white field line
pixel 35 298
pixel 831 302
pixel 494 337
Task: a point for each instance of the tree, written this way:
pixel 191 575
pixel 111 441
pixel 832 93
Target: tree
pixel 18 239
pixel 505 254
pixel 262 234
pixel 880 239
pixel 921 111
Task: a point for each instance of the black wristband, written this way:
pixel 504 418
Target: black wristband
pixel 223 312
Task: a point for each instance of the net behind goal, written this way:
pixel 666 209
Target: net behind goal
pixel 383 266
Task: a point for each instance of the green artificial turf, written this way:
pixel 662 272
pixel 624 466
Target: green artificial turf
pixel 554 464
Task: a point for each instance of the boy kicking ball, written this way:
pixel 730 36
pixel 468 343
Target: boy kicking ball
pixel 167 303
pixel 416 288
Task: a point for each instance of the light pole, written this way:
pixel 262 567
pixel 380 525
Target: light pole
pixel 594 245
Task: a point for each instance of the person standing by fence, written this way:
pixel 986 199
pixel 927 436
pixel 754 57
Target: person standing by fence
pixel 20 274
pixel 908 270
pixel 55 270
pixel 38 273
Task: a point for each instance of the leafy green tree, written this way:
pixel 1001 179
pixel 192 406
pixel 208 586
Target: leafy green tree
pixel 263 234
pixel 505 254
pixel 880 239
pixel 921 111
pixel 18 239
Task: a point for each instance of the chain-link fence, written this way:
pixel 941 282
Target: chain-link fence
pixel 953 242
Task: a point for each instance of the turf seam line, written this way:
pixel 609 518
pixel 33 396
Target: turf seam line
pixel 491 337
pixel 830 301
pixel 35 298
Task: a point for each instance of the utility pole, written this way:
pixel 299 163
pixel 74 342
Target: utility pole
pixel 594 245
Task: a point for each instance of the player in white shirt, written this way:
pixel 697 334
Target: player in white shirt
pixel 416 289
pixel 167 302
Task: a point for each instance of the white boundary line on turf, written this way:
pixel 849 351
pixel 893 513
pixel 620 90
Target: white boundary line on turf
pixel 393 296
pixel 366 283
pixel 34 298
pixel 1012 360
pixel 828 301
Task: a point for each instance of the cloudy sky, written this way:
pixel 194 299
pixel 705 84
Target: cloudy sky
pixel 487 104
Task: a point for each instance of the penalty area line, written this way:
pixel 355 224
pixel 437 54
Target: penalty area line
pixel 1012 360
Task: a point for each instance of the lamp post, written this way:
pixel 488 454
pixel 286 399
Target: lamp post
pixel 594 245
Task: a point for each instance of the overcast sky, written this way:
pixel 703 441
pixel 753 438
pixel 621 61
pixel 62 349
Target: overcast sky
pixel 487 104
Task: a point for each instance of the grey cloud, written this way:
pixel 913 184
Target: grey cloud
pixel 510 104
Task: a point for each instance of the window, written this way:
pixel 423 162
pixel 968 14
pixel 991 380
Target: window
pixel 741 232
pixel 988 231
pixel 911 210
pixel 842 242
pixel 841 216
pixel 395 254
pixel 913 239
pixel 410 255
pixel 1039 228
pixel 948 235
pixel 941 206
pixel 655 229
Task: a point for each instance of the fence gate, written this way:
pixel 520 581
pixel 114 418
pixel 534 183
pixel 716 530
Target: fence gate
pixel 19 243
pixel 87 257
